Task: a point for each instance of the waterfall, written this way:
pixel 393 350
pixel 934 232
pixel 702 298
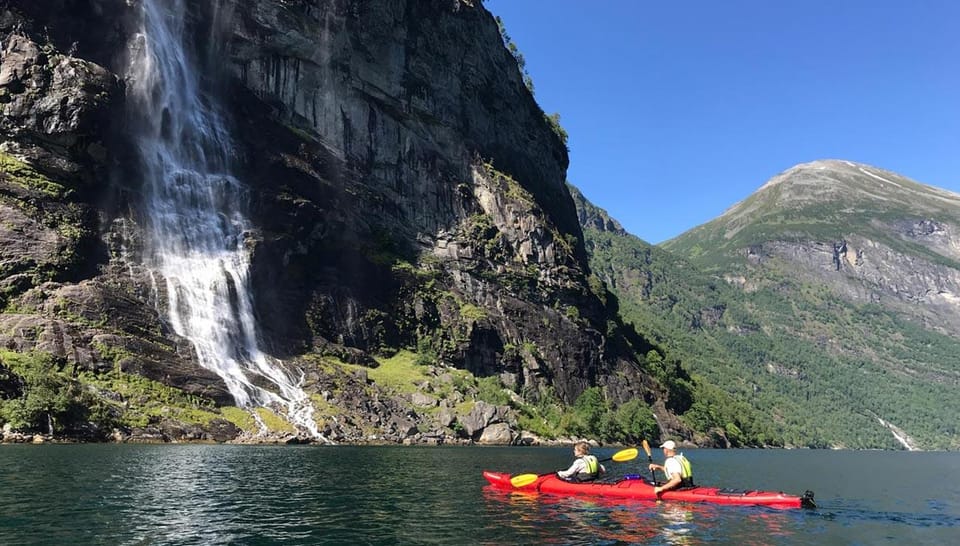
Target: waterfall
pixel 194 218
pixel 898 435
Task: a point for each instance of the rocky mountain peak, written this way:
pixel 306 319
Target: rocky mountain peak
pixel 858 185
pixel 593 216
pixel 827 198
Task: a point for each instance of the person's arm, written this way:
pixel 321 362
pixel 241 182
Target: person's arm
pixel 574 469
pixel 673 469
pixel 674 481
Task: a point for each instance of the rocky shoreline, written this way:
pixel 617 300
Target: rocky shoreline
pixel 168 434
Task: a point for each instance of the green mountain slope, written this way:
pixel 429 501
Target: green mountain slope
pixel 827 300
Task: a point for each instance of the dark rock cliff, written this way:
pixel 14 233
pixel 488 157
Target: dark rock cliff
pixel 405 188
pixel 426 149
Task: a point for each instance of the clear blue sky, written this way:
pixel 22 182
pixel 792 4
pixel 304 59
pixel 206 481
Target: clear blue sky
pixel 676 110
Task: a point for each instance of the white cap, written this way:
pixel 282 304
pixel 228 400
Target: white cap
pixel 669 444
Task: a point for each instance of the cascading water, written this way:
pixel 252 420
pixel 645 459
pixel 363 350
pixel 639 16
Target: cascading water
pixel 194 216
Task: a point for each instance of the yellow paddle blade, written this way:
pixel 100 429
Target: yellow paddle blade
pixel 521 480
pixel 625 455
pixel 646 447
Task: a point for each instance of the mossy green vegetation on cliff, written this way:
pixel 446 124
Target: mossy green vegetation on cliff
pixel 17 172
pixel 38 394
pixel 591 416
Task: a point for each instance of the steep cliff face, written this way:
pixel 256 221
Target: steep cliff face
pixel 404 187
pixel 428 196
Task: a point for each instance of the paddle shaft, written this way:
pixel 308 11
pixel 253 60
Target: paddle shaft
pixel 599 461
pixel 653 473
pixel 620 456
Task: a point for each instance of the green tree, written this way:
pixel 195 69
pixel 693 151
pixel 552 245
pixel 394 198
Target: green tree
pixel 51 402
pixel 589 410
pixel 515 51
pixel 633 422
pixel 554 121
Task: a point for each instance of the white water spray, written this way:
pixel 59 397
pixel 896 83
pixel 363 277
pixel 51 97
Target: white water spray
pixel 195 220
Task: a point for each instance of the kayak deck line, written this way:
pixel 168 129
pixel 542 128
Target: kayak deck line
pixel 641 489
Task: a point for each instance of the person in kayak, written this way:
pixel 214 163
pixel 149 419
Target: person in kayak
pixel 676 467
pixel 585 468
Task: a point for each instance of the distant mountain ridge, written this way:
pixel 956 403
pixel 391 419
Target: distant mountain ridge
pixel 873 235
pixel 832 191
pixel 837 314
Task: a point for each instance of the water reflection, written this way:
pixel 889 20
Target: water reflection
pixel 552 519
pixel 678 523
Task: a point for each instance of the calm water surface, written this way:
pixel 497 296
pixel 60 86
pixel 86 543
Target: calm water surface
pixel 217 494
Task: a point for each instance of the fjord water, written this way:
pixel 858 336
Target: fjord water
pixel 222 494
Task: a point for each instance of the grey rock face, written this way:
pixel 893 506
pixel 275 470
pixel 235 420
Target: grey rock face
pixel 431 145
pixel 53 103
pixel 868 271
pixel 405 188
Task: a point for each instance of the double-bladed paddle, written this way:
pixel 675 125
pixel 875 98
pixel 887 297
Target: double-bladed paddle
pixel 621 456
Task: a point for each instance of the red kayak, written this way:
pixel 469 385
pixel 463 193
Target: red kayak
pixel 642 490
